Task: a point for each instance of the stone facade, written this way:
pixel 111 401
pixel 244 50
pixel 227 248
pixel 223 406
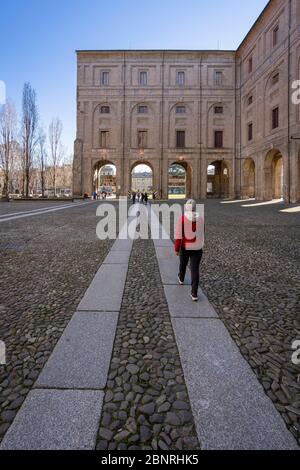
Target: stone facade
pixel 195 108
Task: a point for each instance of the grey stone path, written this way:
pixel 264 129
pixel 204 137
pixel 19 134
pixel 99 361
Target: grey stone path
pixel 63 411
pixel 230 408
pixel 118 364
pixel 146 405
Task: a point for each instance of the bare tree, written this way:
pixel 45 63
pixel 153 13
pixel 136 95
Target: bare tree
pixel 29 131
pixel 66 172
pixel 56 149
pixel 42 158
pixel 8 124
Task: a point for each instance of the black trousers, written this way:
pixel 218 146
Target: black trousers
pixel 195 257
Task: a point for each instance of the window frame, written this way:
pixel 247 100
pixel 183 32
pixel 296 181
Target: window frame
pixel 221 134
pixel 218 78
pixel 275 118
pixel 250 64
pixel 143 73
pixel 180 138
pixel 142 143
pixel 182 107
pixel 178 81
pixel 143 106
pixel 275 36
pixel 220 108
pixel 250 131
pixel 104 107
pixel 275 78
pixel 104 73
pixel 107 136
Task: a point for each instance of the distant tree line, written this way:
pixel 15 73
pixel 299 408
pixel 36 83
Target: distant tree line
pixel 32 162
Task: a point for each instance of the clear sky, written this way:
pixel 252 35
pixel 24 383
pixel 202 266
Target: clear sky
pixel 39 37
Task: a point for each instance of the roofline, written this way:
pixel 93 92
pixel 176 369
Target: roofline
pixel 254 24
pixel 79 51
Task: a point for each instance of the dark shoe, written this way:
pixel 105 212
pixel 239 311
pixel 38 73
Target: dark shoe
pixel 194 297
pixel 180 281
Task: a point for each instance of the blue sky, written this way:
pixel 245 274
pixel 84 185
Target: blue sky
pixel 39 37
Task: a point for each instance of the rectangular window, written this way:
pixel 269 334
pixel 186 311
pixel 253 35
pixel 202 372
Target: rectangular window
pixel 250 65
pixel 143 78
pixel 275 78
pixel 218 109
pixel 104 110
pixel 104 139
pixel 275 118
pixel 142 139
pixel 143 109
pixel 180 139
pixel 218 139
pixel 180 79
pixel 250 131
pixel 105 78
pixel 218 77
pixel 275 35
pixel 180 109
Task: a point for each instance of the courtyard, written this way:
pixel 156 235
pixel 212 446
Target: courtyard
pixel 146 397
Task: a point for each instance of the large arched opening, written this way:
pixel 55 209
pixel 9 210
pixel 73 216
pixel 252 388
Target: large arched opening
pixel 273 175
pixel 179 180
pixel 105 180
pixel 248 178
pixel 217 180
pixel 142 178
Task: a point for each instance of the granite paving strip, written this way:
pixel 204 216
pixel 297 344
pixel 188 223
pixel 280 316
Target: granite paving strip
pixel 47 263
pixel 229 406
pixel 56 420
pixel 86 342
pixel 122 245
pixel 74 363
pixel 117 257
pixel 165 257
pixel 162 243
pixel 180 308
pixel 146 405
pixel 110 279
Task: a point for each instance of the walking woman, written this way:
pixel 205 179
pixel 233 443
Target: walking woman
pixel 189 240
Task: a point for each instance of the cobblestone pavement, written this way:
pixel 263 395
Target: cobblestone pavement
pixel 251 274
pixel 146 405
pixel 47 262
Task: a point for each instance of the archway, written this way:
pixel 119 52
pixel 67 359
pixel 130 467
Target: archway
pixel 179 180
pixel 142 179
pixel 249 178
pixel 274 175
pixel 217 180
pixel 105 180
